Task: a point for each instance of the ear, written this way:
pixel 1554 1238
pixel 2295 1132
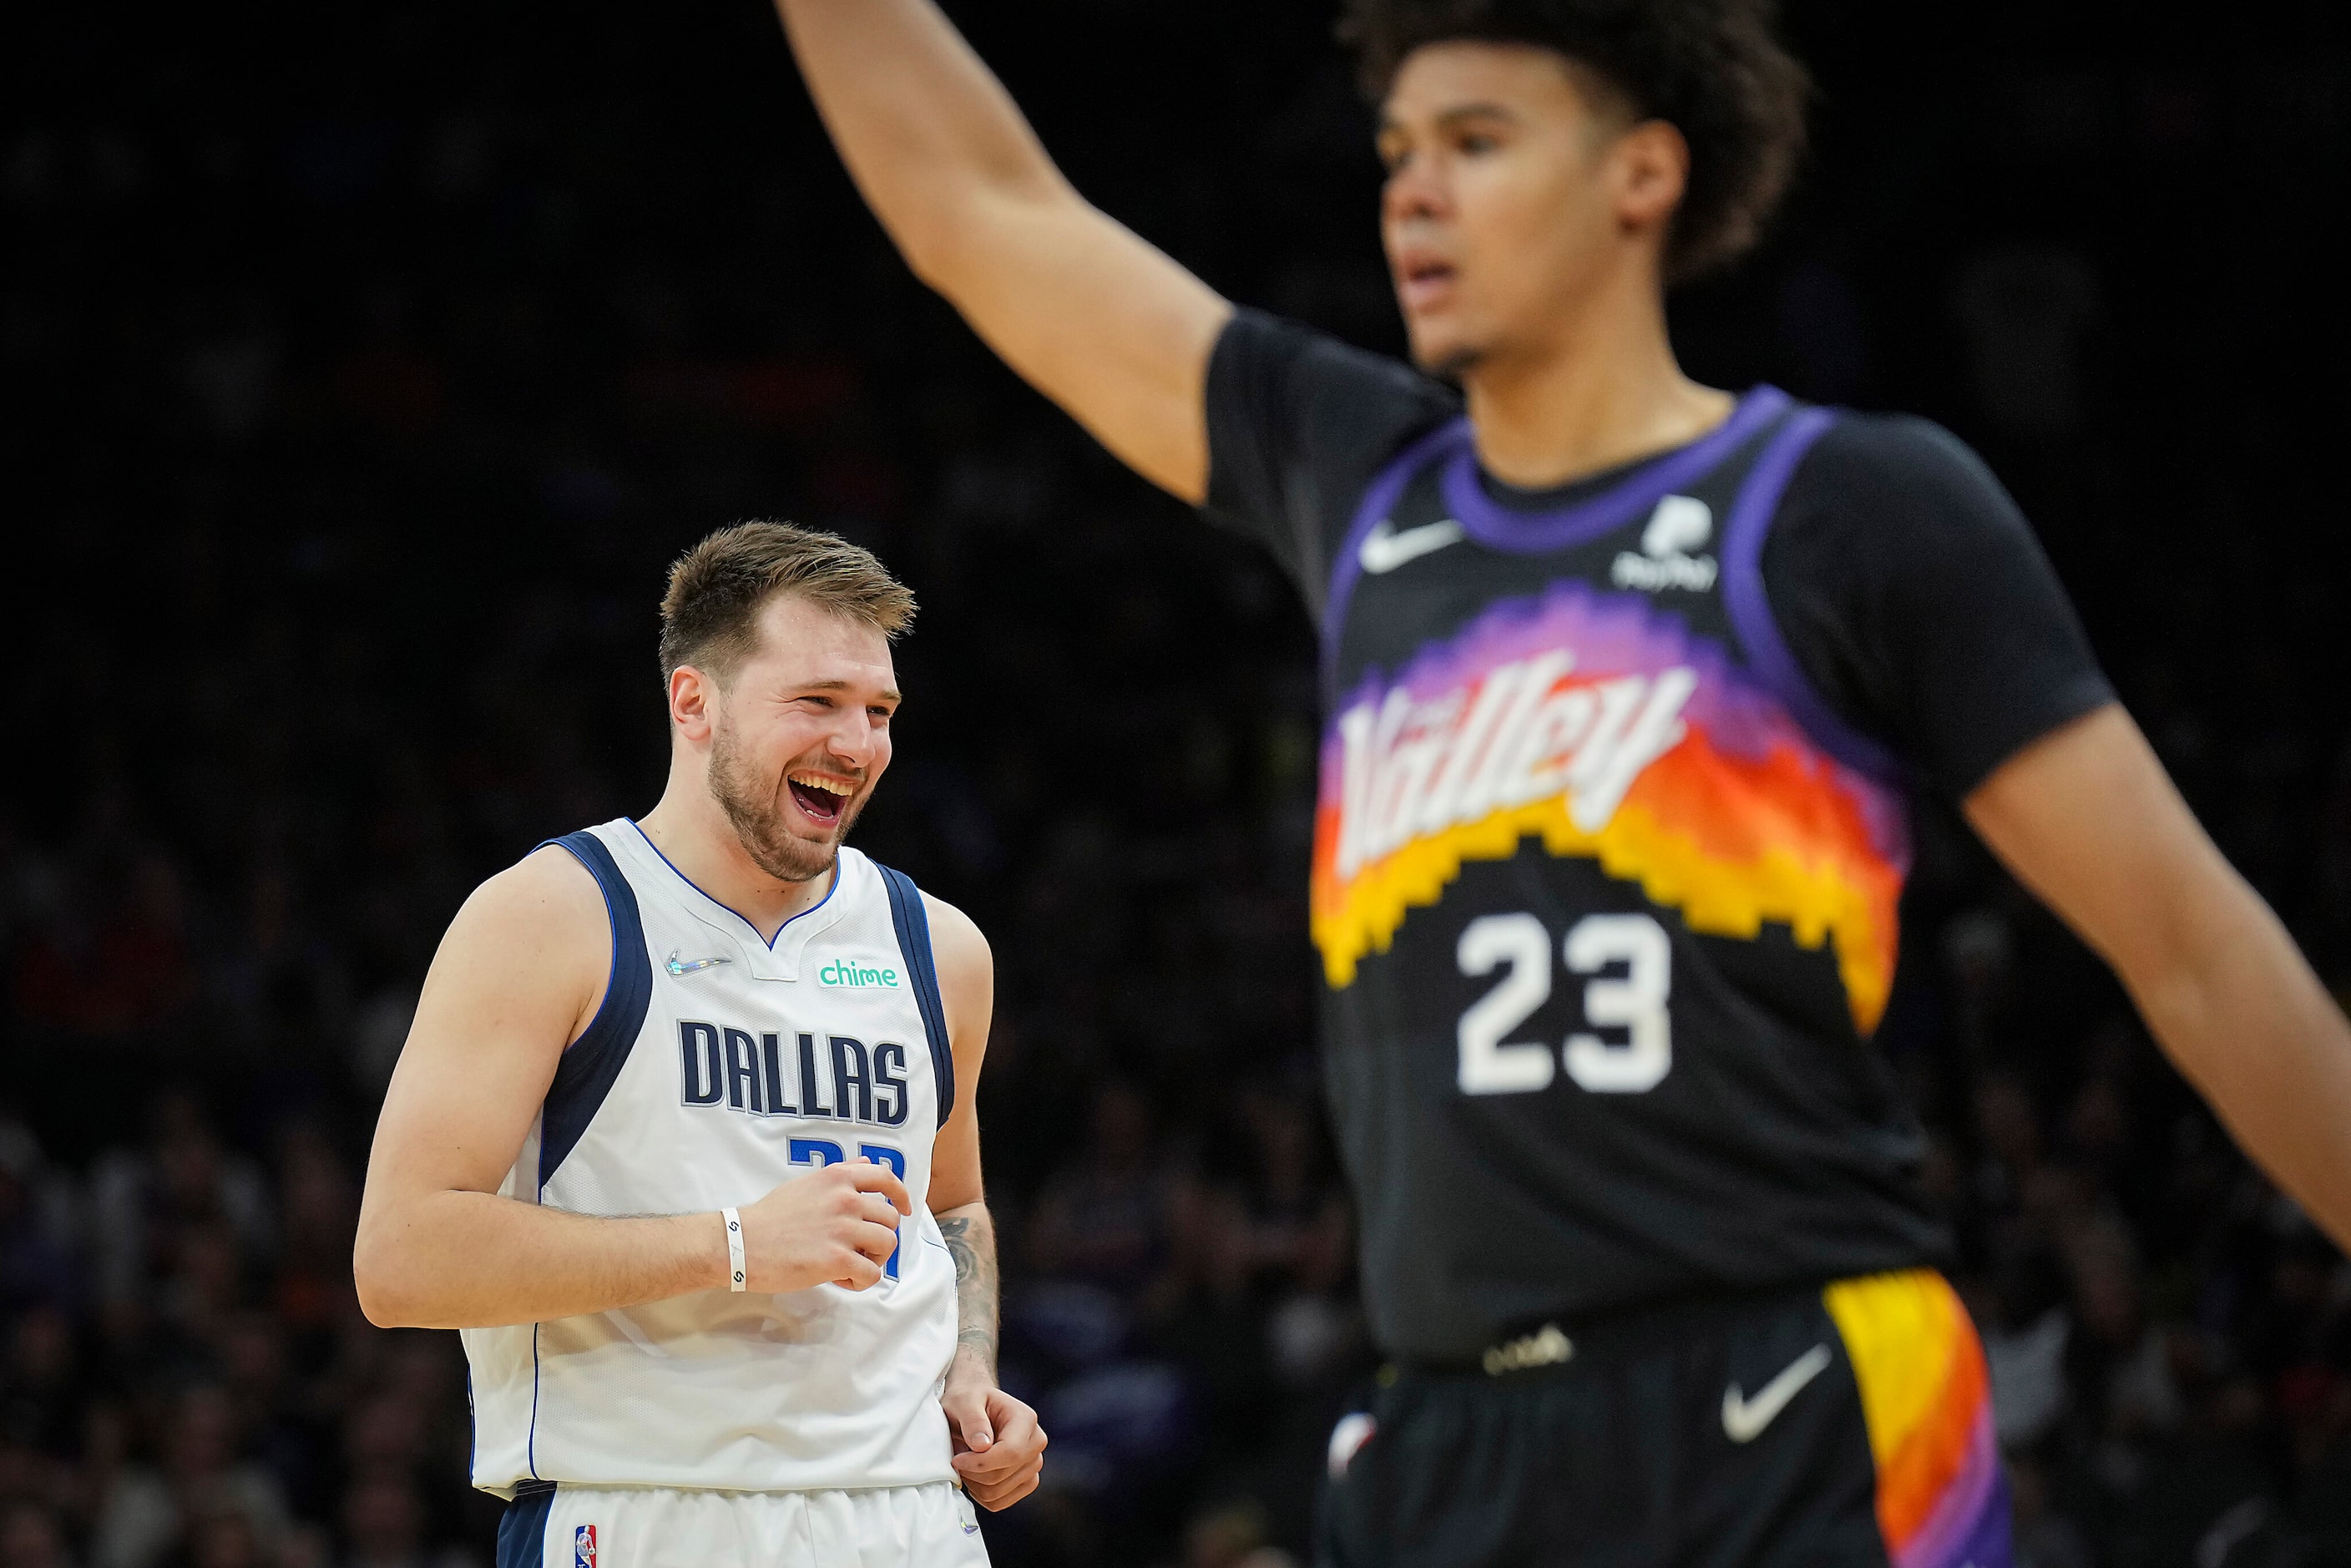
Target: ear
pixel 694 698
pixel 1649 168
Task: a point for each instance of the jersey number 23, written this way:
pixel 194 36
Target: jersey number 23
pixel 1492 1064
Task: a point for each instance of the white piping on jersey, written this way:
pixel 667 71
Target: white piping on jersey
pixel 1513 738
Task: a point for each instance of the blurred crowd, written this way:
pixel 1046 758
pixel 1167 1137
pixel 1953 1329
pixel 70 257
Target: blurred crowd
pixel 361 370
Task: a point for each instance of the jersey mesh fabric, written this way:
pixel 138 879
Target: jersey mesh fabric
pixel 755 1063
pixel 1613 825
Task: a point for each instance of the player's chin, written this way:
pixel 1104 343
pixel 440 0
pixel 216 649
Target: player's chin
pixel 1439 347
pixel 802 851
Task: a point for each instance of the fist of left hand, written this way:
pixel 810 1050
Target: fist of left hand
pixel 999 1448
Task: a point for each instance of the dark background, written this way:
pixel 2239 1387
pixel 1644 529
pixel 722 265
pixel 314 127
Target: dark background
pixel 363 367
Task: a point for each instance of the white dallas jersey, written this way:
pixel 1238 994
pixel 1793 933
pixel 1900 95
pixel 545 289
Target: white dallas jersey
pixel 717 1066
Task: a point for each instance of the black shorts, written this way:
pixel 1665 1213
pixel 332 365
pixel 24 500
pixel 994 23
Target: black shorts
pixel 1844 1425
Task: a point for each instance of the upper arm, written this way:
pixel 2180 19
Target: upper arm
pixel 2086 817
pixel 1300 424
pixel 1101 322
pixel 1914 595
pixel 967 971
pixel 518 975
pixel 1096 320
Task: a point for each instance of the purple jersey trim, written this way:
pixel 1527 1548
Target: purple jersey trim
pixel 1501 527
pixel 1750 606
pixel 1379 500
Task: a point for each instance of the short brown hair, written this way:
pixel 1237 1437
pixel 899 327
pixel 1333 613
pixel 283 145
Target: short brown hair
pixel 1714 69
pixel 710 616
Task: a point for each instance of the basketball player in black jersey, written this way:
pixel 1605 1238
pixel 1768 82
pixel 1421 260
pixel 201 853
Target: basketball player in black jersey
pixel 1628 683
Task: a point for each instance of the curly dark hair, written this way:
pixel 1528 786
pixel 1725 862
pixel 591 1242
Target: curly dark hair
pixel 1715 70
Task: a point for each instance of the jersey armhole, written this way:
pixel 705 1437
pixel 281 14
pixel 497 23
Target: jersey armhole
pixel 1379 498
pixel 592 1063
pixel 1749 603
pixel 913 928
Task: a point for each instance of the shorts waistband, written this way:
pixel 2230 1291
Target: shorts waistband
pixel 1564 1345
pixel 524 1491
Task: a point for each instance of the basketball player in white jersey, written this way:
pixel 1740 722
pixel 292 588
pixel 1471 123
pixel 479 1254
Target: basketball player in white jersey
pixel 683 1137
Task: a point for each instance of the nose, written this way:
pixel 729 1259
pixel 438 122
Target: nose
pixel 854 739
pixel 1415 192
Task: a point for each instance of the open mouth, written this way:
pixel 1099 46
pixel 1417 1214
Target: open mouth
pixel 821 797
pixel 1421 283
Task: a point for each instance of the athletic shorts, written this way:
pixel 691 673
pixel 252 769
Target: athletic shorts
pixel 1848 1426
pixel 655 1527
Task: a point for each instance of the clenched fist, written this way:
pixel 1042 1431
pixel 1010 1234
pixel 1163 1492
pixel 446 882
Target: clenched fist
pixel 836 1226
pixel 999 1448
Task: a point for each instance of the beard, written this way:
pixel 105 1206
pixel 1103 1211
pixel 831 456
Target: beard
pixel 756 805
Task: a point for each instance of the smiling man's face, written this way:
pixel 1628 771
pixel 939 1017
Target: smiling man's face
pixel 1499 211
pixel 801 736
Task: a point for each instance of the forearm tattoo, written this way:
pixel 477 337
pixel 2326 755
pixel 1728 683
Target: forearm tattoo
pixel 971 1241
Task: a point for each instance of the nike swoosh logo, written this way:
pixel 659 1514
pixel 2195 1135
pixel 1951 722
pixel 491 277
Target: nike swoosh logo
pixel 1385 549
pixel 1743 1419
pixel 691 965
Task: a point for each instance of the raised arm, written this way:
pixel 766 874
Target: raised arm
pixel 2088 820
pixel 1104 325
pixel 518 978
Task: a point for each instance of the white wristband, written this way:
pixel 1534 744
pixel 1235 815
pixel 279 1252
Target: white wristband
pixel 735 1275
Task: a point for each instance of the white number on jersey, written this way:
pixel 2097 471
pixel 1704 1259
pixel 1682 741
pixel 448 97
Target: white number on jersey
pixel 1636 1003
pixel 1487 1066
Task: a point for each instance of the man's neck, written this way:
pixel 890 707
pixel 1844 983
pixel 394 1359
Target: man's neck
pixel 1603 391
pixel 695 837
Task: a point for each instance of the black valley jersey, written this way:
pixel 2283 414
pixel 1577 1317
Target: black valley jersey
pixel 1613 826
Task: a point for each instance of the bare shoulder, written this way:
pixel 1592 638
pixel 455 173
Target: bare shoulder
pixel 520 971
pixel 537 935
pixel 956 944
pixel 967 974
pixel 547 897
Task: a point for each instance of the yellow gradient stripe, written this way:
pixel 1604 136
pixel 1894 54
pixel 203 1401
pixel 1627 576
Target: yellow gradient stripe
pixel 1716 897
pixel 1900 1332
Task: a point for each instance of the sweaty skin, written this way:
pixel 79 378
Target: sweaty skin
pixel 522 971
pixel 1524 219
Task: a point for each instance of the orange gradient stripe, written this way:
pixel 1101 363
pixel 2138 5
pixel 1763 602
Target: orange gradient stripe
pixel 1921 1369
pixel 1729 843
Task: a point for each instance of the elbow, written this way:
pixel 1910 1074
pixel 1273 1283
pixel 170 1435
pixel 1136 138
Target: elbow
pixel 931 253
pixel 381 1308
pixel 377 1277
pixel 380 1304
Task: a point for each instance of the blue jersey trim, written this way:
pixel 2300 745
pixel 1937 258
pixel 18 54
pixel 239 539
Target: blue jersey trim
pixel 1749 604
pixel 522 1529
pixel 914 941
pixel 531 1436
pixel 593 1064
pixel 766 942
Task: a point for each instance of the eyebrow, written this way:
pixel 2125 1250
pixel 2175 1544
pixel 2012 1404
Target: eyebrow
pixel 888 693
pixel 1481 109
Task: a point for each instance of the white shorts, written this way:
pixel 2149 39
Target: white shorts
pixel 655 1527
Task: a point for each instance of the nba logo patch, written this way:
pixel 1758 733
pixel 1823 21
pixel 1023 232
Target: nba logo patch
pixel 583 1547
